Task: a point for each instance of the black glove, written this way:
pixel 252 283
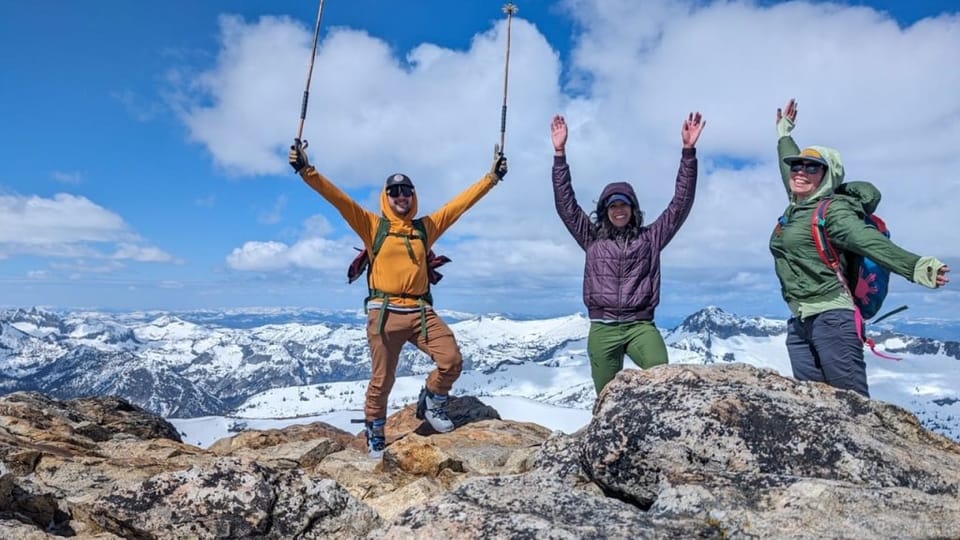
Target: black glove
pixel 499 168
pixel 298 155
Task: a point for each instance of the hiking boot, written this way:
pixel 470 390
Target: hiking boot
pixel 432 408
pixel 376 441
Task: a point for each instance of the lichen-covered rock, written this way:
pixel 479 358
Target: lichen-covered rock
pixel 763 454
pixel 233 498
pixel 722 451
pixel 532 506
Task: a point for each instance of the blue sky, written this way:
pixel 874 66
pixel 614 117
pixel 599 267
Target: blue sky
pixel 144 143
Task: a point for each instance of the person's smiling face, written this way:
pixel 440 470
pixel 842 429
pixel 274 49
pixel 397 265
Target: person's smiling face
pixel 400 198
pixel 805 177
pixel 619 214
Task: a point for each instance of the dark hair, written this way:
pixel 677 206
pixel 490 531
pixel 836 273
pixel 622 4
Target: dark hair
pixel 606 230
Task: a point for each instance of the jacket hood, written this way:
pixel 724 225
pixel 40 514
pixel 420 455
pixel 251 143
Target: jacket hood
pixel 391 215
pixel 617 187
pixel 864 193
pixel 834 174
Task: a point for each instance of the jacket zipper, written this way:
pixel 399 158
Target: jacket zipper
pixel 623 254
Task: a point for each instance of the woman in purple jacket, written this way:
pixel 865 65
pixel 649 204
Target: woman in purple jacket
pixel 621 276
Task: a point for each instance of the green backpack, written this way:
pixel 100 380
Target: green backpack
pixel 364 260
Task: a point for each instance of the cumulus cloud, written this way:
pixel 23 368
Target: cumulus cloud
pixel 68 226
pixel 245 94
pixel 308 253
pixel 259 256
pixel 63 219
pixel 877 91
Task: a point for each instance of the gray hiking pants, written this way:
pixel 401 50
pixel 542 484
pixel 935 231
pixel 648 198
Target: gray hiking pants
pixel 826 348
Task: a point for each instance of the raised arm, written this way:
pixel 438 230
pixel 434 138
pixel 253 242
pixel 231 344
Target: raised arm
pixel 665 227
pixel 438 222
pixel 574 218
pixel 361 220
pixel 786 146
pixel 849 232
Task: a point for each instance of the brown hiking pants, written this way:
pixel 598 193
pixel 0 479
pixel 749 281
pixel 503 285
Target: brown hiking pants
pixel 385 347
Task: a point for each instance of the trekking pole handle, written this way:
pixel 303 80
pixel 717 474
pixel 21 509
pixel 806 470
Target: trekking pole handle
pixel 303 113
pixel 503 125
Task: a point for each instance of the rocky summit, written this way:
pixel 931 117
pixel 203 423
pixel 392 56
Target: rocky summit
pixel 678 451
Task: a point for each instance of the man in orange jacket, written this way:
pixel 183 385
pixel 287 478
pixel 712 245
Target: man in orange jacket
pixel 399 306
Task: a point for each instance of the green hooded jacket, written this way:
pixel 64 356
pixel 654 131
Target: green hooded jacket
pixel 807 284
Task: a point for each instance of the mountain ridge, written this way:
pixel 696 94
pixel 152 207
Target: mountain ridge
pixel 179 368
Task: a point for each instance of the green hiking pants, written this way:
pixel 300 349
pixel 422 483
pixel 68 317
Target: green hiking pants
pixel 607 343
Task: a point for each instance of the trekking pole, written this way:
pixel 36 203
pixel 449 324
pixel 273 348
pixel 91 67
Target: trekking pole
pixel 510 9
pixel 306 91
pixel 888 314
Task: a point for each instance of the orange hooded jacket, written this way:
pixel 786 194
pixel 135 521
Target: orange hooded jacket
pixel 394 271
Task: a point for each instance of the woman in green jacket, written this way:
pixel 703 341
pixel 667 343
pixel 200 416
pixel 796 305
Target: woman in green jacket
pixel 824 334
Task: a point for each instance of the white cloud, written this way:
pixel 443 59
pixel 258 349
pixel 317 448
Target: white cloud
pixel 68 226
pixel 63 219
pixel 141 253
pixel 880 93
pixel 308 253
pixel 259 256
pixel 370 113
pixel 248 94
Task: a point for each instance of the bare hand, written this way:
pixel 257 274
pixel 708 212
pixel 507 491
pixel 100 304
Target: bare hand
pixel 558 134
pixel 791 111
pixel 942 278
pixel 692 127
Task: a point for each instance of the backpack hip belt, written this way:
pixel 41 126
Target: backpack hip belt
pixel 423 300
pixel 364 262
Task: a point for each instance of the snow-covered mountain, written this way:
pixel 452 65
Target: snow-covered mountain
pixel 189 368
pixel 179 368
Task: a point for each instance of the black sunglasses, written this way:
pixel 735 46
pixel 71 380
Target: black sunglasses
pixel 396 191
pixel 808 167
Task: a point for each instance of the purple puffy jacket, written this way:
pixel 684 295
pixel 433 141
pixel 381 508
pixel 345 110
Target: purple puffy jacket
pixel 621 280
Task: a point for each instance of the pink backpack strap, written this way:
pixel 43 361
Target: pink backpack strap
pixel 830 257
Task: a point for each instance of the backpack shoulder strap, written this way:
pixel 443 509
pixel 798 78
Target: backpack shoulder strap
pixel 819 225
pixel 421 228
pixel 876 221
pixel 382 231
